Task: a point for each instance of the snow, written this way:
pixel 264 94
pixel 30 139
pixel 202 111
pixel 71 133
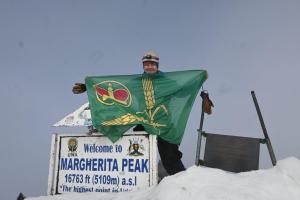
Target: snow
pixel 201 183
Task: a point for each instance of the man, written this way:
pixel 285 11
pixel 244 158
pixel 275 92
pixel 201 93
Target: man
pixel 169 153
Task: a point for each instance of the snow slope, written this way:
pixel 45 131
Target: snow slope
pixel 280 182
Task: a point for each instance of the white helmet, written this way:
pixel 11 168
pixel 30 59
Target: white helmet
pixel 151 56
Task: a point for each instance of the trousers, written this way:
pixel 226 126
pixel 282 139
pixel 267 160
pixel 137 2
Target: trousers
pixel 169 154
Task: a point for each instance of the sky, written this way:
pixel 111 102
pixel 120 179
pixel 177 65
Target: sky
pixel 47 46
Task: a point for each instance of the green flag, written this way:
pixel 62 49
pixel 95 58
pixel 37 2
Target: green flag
pixel 161 102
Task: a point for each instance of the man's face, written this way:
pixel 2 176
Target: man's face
pixel 150 67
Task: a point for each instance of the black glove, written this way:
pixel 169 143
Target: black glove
pixel 207 103
pixel 79 88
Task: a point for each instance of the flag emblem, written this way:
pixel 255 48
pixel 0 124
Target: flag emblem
pixel 147 116
pixel 113 92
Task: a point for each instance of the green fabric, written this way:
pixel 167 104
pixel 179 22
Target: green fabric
pixel 161 102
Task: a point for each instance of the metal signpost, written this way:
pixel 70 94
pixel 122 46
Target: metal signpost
pixel 233 153
pixel 92 163
pixel 268 141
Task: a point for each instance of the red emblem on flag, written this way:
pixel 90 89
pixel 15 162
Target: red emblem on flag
pixel 110 92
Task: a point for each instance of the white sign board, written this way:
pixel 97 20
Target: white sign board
pixel 92 163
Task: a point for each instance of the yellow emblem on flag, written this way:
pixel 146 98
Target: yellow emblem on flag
pixel 147 116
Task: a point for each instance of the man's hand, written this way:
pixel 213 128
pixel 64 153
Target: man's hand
pixel 79 88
